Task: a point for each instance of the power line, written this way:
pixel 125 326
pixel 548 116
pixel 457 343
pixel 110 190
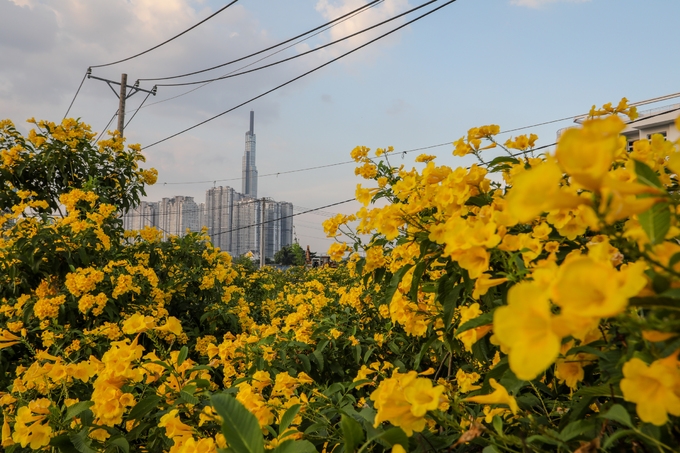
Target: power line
pixel 647 101
pixel 366 6
pixel 167 41
pixel 230 75
pixel 352 14
pixel 77 91
pixel 115 114
pixel 301 75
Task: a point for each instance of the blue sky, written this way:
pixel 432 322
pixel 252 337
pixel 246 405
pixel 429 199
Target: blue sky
pixel 512 63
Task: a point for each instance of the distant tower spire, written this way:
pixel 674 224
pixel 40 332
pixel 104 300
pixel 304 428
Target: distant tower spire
pixel 249 172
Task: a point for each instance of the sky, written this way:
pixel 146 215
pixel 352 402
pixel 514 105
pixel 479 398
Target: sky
pixel 514 63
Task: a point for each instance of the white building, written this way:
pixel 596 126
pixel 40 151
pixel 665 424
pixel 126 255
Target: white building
pixel 655 121
pixel 177 215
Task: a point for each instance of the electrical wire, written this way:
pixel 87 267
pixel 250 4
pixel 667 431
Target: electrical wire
pixel 364 7
pixel 167 41
pixel 301 75
pixel 236 74
pixel 344 18
pixel 115 114
pixel 647 101
pixel 76 95
pixel 140 106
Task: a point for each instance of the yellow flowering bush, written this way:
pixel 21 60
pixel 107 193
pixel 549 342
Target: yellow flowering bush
pixel 552 279
pixel 527 303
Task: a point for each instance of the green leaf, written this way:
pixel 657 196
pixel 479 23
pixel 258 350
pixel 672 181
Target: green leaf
pixel 352 433
pixel 297 446
pixel 619 414
pixel 240 427
pixel 599 390
pixel 423 351
pixel 542 439
pixel 490 449
pixel 121 443
pixel 415 281
pixel 616 436
pixel 394 436
pixel 450 303
pixel 143 407
pixel 647 176
pixel 394 283
pixel 481 320
pixel 288 417
pixel 77 408
pixel 575 429
pixel 81 441
pixel 305 363
pixel 183 353
pixel 62 442
pixel 656 221
pixel 188 397
pixel 498 424
pixel 672 302
pixel 318 357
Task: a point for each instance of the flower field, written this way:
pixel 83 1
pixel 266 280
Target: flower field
pixel 527 303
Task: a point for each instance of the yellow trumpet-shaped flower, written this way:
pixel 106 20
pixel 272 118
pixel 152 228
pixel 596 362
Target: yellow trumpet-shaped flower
pixel 499 396
pixel 524 327
pixel 587 153
pixel 652 388
pixel 538 190
pixel 8 339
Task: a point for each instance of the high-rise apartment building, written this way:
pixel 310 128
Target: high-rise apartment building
pixel 177 215
pixel 234 220
pixel 249 171
pixel 218 215
pixel 146 214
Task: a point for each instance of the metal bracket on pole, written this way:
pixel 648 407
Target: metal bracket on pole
pixel 134 89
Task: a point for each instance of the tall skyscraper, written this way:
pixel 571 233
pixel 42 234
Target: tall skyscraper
pixel 235 221
pixel 249 172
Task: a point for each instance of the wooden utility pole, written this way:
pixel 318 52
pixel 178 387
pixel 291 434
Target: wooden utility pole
pixel 121 104
pixel 123 94
pixel 262 235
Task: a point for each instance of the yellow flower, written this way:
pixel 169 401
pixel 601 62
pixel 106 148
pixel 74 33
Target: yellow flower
pixel 404 399
pixel 8 339
pixel 466 381
pixel 652 388
pixel 337 250
pixel 538 190
pixel 483 283
pixel 171 325
pixel 499 396
pixel 138 323
pixel 587 153
pixel 524 327
pixel 587 288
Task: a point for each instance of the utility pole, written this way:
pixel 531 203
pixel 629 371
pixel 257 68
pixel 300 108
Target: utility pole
pixel 121 104
pixel 262 235
pixel 123 95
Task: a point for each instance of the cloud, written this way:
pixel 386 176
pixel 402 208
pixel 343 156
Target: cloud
pixel 330 9
pixel 541 3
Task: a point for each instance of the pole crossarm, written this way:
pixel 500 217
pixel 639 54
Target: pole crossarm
pixel 134 89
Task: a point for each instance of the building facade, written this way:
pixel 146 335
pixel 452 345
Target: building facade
pixel 235 221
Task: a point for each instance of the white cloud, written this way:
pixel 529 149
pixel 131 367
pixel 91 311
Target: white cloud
pixel 330 9
pixel 541 3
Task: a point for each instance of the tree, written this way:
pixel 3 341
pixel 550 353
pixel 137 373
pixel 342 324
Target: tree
pixel 290 255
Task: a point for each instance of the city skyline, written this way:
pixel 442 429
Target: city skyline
pixel 234 220
pixel 508 62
